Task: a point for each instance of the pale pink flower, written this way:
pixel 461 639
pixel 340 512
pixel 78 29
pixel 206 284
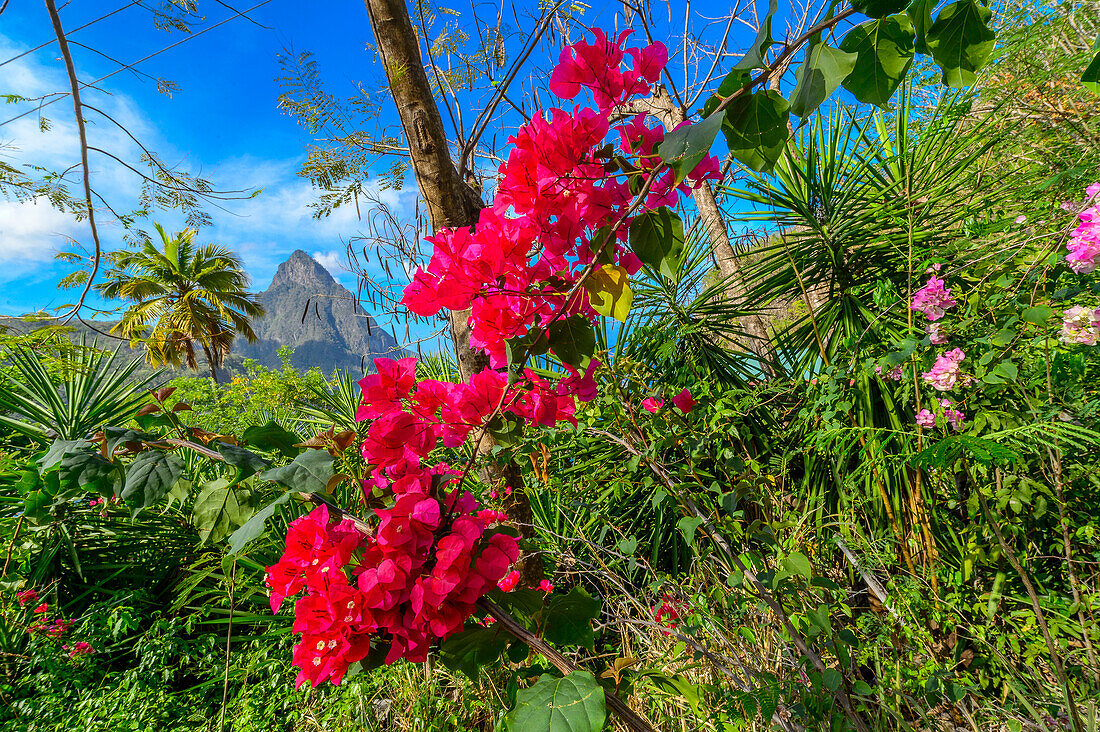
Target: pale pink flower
pixel 926 418
pixel 1081 325
pixel 954 417
pixel 936 334
pixel 932 299
pixel 1021 219
pixel 1084 246
pixel 893 374
pixel 945 372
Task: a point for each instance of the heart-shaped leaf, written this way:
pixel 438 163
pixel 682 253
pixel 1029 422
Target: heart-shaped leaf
pixel 961 41
pixel 884 52
pixel 573 703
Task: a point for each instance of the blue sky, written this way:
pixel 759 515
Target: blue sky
pixel 222 123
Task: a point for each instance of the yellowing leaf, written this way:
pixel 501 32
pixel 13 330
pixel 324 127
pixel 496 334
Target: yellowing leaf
pixel 609 291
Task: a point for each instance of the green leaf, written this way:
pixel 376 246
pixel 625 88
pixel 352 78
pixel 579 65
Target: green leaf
pixel 272 437
pixel 472 648
pixel 1002 372
pixel 798 563
pixel 1037 315
pixel 734 80
pixel 309 472
pixel 567 619
pixel 150 477
pixel 961 40
pixel 948 450
pixel 879 8
pixel 687 526
pixel 754 57
pixel 245 461
pixel 58 450
pixel 132 439
pixel 818 77
pixel 521 601
pixel 657 237
pixel 1091 77
pixel 573 703
pixel 519 348
pixel 884 52
pixel 88 468
pixel 920 13
pixel 609 291
pixel 573 340
pixel 756 129
pixel 676 685
pixel 220 507
pixel 685 147
pixel 253 528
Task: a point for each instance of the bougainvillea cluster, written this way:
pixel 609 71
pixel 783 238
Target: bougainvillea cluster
pixel 946 372
pixel 1081 325
pixel 1084 245
pixel 933 299
pixel 563 207
pixel 670 613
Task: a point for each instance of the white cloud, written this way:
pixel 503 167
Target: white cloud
pixel 332 261
pixel 33 232
pixel 264 230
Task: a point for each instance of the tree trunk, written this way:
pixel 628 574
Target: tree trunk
pixel 661 106
pixel 451 204
pixel 210 363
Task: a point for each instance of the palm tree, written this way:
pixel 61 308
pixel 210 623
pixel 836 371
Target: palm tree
pixel 182 296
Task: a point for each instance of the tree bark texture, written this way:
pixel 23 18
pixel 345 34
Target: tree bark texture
pixel 661 106
pixel 451 204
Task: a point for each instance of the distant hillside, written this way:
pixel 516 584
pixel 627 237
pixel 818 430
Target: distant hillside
pixel 334 333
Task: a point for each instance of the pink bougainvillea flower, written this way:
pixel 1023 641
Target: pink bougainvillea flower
pixel 508 582
pixel 925 418
pixel 545 586
pixel 1084 245
pixel 945 372
pixel 41 608
pixel 893 374
pixel 652 404
pixel 933 299
pixel 1081 325
pixel 26 596
pixel 683 401
pixel 936 334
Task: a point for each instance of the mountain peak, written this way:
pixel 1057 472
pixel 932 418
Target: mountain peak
pixel 302 270
pixel 313 313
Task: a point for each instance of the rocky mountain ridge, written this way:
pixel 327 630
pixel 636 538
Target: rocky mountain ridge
pixel 306 309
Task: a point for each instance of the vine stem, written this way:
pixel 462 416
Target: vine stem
pixel 628 716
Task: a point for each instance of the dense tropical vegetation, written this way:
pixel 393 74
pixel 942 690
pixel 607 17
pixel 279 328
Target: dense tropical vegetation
pixel 838 473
